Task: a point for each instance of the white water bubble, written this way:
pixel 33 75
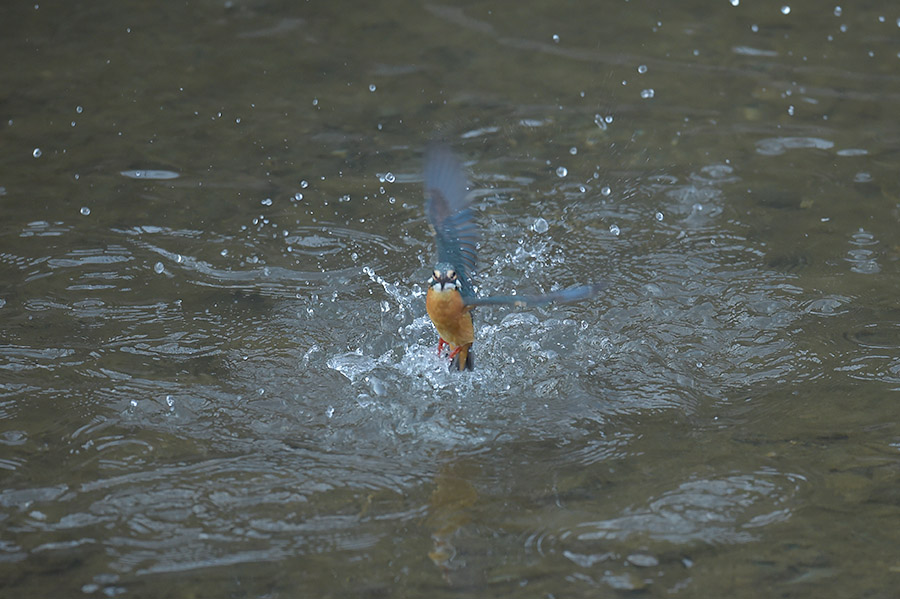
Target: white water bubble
pixel 561 171
pixel 85 211
pixel 614 229
pixel 540 225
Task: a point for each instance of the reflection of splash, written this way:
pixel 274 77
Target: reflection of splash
pixel 723 510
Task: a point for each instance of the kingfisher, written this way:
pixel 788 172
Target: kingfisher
pixel 451 297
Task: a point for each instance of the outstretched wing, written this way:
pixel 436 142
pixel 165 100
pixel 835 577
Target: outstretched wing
pixel 572 294
pixel 448 208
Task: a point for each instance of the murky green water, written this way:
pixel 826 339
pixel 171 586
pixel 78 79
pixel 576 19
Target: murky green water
pixel 216 374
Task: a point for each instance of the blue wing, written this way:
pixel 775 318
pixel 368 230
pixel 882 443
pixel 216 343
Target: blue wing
pixel 448 209
pixel 572 294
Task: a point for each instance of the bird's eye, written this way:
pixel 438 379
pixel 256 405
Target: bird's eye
pixel 451 274
pixel 436 274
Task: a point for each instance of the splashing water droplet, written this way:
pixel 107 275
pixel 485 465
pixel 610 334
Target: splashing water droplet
pixel 605 190
pixel 561 171
pixel 540 225
pixel 372 87
pixel 37 153
pixel 790 110
pixel 614 229
pixel 556 38
pixel 266 202
pixel 647 93
pixel 170 401
pixel 85 211
pixel 735 2
pixel 304 184
pixel 642 69
pixel 659 216
pixel 389 177
pixel 785 10
pixel 573 150
pixel 159 268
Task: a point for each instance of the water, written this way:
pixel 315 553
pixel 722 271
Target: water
pixel 217 376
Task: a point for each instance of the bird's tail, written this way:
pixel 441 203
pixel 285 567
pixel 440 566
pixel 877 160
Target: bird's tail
pixel 463 360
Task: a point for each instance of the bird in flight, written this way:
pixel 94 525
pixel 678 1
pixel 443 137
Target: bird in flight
pixel 450 296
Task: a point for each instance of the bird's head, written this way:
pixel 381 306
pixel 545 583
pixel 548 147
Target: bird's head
pixel 444 278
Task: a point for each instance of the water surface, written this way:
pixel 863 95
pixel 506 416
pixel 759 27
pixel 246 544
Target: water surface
pixel 217 377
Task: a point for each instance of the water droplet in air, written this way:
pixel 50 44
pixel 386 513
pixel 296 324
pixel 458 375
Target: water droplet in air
pixel 298 196
pixel 561 171
pixel 36 153
pixel 659 216
pixel 735 2
pixel 372 87
pixel 573 150
pixel 556 38
pixel 647 93
pixel 642 69
pixel 389 177
pixel 159 268
pixel 266 202
pixel 170 401
pixel 304 184
pixel 785 10
pixel 837 11
pixel 605 190
pixel 540 225
pixel 79 109
pixel 791 110
pixel 85 211
pixel 614 229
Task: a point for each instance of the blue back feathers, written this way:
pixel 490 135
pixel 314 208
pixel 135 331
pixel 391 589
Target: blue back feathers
pixel 449 211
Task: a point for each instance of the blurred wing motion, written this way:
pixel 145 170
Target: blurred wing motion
pixel 448 208
pixel 572 294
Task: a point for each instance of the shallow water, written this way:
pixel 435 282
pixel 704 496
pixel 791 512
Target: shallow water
pixel 217 377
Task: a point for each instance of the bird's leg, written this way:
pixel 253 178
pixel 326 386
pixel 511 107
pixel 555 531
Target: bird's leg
pixel 441 344
pixel 455 351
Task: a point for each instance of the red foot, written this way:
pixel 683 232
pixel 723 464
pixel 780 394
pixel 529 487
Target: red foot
pixel 454 352
pixel 441 344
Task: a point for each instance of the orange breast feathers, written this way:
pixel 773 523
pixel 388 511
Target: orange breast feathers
pixel 450 317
